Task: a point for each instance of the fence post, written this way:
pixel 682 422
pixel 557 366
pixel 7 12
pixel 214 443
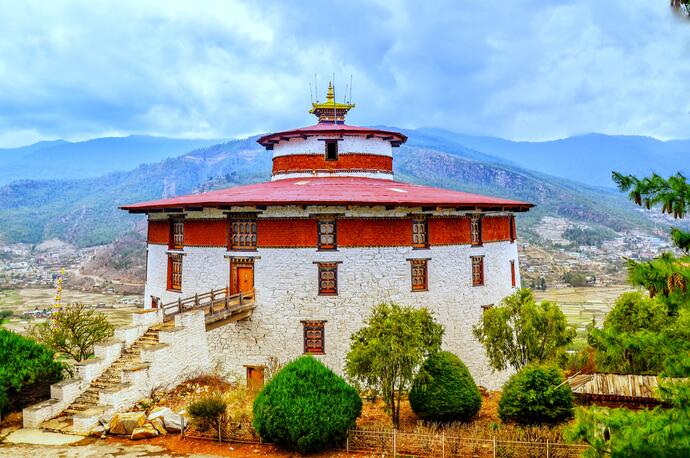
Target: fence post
pixel 395 445
pixel 347 441
pixel 547 449
pixel 494 442
pixel 443 444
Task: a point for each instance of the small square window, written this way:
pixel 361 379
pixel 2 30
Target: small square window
pixel 314 337
pixel 419 232
pixel 419 274
pixel 328 279
pixel 331 150
pixel 486 307
pixel 327 234
pixel 477 270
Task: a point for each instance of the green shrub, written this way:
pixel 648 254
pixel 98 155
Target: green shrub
pixel 26 371
pixel 444 390
pixel 208 411
pixel 536 395
pixel 306 407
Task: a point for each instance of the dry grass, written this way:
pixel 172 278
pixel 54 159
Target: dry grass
pixel 485 425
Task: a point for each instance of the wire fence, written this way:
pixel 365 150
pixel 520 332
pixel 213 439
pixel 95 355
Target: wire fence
pixel 394 443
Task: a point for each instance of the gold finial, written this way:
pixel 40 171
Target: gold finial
pixel 330 110
pixel 330 96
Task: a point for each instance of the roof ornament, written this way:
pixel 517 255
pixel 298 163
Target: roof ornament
pixel 331 111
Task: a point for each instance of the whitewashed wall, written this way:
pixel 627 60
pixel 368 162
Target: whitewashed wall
pixel 348 144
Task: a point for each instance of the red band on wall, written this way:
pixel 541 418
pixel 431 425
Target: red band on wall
pixel 310 162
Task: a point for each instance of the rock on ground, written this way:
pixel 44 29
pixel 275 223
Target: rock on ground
pixel 144 432
pixel 124 423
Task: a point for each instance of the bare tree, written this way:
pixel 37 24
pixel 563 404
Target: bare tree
pixel 73 331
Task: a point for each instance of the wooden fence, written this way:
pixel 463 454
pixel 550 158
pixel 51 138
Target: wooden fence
pixel 217 304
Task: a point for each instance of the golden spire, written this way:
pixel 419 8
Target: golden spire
pixel 330 110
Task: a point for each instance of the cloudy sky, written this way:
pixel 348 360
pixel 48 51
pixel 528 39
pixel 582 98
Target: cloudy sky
pixel 520 69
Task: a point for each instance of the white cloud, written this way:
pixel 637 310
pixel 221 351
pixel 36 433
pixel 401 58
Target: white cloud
pixel 525 69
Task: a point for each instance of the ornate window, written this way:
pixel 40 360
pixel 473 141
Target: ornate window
pixel 477 270
pixel 419 274
pixel 314 337
pixel 512 273
pixel 327 234
pixel 243 232
pixel 476 230
pixel 331 150
pixel 176 233
pixel 486 307
pixel 419 232
pixel 328 278
pixel 175 272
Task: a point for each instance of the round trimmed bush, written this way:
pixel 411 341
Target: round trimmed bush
pixel 536 395
pixel 306 407
pixel 444 390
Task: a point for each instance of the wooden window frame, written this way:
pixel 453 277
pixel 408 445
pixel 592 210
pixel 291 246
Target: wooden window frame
pixel 327 145
pixel 241 219
pixel 419 265
pixel 322 246
pixel 513 281
pixel 420 222
pixel 311 326
pixel 172 285
pixel 175 224
pixel 477 280
pixel 476 221
pixel 327 267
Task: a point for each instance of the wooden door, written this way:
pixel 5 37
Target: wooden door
pixel 241 277
pixel 245 278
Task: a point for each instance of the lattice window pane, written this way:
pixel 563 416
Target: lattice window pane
pixel 327 234
pixel 419 275
pixel 243 234
pixel 419 232
pixel 476 230
pixel 477 270
pixel 175 272
pixel 314 337
pixel 328 279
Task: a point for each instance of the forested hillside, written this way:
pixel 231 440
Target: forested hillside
pixel 86 212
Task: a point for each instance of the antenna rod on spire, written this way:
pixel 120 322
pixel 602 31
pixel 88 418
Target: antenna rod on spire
pixel 350 101
pixel 316 89
pixel 311 94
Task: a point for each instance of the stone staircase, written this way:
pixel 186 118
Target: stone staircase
pixel 110 380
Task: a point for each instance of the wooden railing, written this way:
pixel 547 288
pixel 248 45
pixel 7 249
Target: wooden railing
pixel 217 305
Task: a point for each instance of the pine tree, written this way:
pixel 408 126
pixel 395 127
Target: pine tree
pixel 665 430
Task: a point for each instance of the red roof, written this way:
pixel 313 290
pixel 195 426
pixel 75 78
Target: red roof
pixel 331 128
pixel 332 191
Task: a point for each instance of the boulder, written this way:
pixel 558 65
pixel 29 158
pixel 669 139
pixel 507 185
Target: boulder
pixel 125 423
pixel 159 425
pixel 144 432
pixel 172 421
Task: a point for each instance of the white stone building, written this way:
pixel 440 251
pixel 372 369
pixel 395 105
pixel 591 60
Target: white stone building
pixel 329 237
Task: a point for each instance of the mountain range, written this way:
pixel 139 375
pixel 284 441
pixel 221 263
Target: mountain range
pixel 62 159
pixel 113 172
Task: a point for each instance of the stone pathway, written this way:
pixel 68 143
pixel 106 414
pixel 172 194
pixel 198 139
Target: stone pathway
pixel 99 449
